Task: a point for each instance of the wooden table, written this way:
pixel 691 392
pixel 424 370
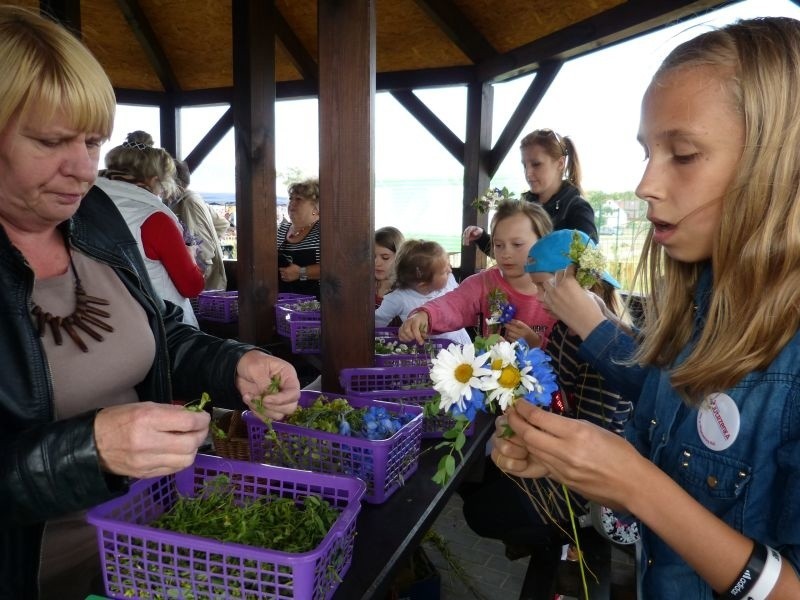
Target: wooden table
pixel 386 534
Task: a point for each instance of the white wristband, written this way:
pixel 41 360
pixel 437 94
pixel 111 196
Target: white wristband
pixel 768 577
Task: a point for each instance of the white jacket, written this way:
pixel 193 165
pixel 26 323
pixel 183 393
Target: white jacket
pixel 136 205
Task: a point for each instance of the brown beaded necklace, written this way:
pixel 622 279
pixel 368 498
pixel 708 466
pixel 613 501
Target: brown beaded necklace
pixel 85 317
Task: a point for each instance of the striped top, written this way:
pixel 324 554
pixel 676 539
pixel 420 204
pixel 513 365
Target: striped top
pixel 304 253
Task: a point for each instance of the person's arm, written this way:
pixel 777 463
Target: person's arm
pixel 484 243
pixel 220 224
pixel 388 310
pixel 604 467
pixel 163 241
pixel 606 347
pixel 457 308
pixel 197 218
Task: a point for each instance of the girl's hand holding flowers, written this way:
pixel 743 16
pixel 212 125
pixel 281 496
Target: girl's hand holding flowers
pixel 564 297
pixel 588 459
pixel 517 330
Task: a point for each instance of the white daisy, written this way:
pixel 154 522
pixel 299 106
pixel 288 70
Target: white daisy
pixel 455 371
pixel 508 380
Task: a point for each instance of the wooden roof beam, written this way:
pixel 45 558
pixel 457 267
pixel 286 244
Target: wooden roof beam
pixel 210 140
pixel 300 57
pixel 522 114
pixel 461 31
pixel 618 24
pixel 140 26
pixel 426 117
pixel 66 12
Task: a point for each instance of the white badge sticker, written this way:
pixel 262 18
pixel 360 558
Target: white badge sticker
pixel 718 422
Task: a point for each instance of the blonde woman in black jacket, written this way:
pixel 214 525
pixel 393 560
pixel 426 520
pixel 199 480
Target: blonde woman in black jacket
pixel 91 355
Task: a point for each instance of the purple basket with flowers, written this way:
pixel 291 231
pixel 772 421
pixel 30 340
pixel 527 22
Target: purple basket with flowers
pixel 391 352
pixel 294 306
pixel 141 561
pixel 403 385
pixel 383 464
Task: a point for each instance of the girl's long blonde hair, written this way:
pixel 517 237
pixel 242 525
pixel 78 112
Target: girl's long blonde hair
pixel 755 300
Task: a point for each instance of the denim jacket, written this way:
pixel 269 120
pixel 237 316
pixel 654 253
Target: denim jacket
pixel 753 485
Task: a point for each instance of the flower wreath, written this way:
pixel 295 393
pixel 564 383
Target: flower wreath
pixel 491 198
pixel 590 264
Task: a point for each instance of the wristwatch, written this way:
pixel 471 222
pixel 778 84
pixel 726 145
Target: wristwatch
pixel 303 274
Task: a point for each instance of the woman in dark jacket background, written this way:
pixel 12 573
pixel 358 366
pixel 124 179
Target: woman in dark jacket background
pixel 91 355
pixel 553 172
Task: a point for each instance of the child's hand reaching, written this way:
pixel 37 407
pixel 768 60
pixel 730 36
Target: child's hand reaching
pixel 415 328
pixel 516 329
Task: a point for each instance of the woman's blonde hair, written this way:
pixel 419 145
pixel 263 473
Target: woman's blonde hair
pixel 754 307
pixel 138 160
pixel 540 220
pixel 556 146
pixel 415 262
pixel 47 70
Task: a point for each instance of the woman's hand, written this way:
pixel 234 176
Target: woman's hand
pixel 289 273
pixel 255 374
pixel 516 329
pixel 414 328
pixel 564 297
pixel 146 439
pixel 594 462
pixel 471 233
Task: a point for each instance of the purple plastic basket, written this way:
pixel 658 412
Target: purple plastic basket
pixel 144 562
pixel 421 357
pixel 382 464
pixel 284 297
pixel 286 311
pixel 368 379
pixel 219 306
pixel 305 335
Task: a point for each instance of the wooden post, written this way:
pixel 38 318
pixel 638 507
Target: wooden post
pixel 480 97
pixel 347 183
pixel 254 135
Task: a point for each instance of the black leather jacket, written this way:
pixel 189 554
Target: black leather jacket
pixel 50 468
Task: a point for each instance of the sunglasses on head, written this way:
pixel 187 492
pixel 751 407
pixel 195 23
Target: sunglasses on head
pixel 549 132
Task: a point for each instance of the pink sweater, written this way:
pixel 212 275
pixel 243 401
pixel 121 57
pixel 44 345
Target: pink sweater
pixel 463 306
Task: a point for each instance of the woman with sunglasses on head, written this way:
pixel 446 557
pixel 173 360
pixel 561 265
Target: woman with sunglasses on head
pixel 553 172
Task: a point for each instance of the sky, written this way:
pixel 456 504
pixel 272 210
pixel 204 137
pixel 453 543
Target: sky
pixel 594 99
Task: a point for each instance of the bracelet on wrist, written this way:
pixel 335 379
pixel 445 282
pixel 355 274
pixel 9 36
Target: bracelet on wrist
pixel 769 575
pixel 746 580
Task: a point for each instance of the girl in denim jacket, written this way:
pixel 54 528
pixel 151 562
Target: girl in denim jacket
pixel 712 462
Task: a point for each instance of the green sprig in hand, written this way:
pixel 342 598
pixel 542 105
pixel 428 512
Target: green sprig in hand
pixel 199 406
pixel 258 407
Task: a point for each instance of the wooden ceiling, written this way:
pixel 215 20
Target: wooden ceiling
pixel 185 46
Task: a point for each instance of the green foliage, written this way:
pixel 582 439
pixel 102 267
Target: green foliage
pixel 273 522
pixel 454 440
